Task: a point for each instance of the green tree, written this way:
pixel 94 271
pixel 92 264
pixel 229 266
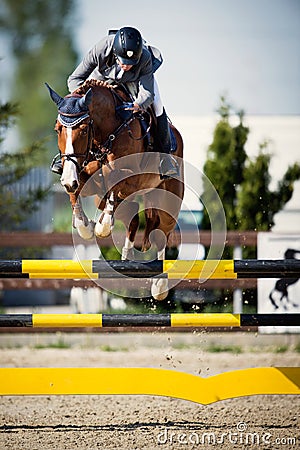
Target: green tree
pixel 243 184
pixel 13 167
pixel 256 203
pixel 224 165
pixel 40 35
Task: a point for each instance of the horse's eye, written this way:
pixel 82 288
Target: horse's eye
pixel 57 129
pixel 84 131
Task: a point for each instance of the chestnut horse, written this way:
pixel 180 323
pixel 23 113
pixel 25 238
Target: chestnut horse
pixel 106 156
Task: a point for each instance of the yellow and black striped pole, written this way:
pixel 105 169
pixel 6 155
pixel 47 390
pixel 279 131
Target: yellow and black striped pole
pixel 147 320
pixel 172 269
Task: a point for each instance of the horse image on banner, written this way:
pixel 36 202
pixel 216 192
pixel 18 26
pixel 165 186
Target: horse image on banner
pixel 278 295
pixel 106 155
pixel 281 286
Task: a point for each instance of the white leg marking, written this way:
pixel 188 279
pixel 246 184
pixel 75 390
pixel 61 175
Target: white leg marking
pixel 104 228
pixel 128 245
pixel 159 287
pixel 84 226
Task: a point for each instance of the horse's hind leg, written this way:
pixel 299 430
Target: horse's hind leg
pixel 128 213
pixel 159 286
pixel 289 301
pixel 284 296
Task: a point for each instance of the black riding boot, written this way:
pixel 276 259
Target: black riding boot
pixel 168 166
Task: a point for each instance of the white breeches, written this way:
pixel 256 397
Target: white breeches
pixel 157 103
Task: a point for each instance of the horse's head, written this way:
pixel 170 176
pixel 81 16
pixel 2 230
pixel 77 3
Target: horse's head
pixel 74 129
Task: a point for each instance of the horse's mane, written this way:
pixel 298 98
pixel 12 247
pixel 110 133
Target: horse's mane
pixel 91 83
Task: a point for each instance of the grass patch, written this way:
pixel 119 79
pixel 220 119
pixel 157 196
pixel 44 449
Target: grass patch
pixel 216 348
pixel 182 346
pixel 109 348
pixel 281 349
pixel 63 219
pixel 60 344
pixel 297 347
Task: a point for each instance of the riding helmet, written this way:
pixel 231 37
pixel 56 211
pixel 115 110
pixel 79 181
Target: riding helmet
pixel 128 46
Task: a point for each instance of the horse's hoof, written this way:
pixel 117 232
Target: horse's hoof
pixel 127 254
pixel 102 230
pixel 159 289
pixel 86 232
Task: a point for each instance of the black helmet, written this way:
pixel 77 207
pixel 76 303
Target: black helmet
pixel 128 46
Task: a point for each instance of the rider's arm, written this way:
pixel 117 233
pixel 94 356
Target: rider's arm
pixel 145 94
pixel 94 58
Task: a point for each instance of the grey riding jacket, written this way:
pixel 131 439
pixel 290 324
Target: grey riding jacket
pixel 101 64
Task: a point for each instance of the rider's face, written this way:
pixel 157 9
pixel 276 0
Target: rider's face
pixel 124 67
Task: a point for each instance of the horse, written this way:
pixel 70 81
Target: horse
pixel 282 284
pixel 104 155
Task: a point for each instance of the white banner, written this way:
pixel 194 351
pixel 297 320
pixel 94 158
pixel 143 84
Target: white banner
pixel 278 295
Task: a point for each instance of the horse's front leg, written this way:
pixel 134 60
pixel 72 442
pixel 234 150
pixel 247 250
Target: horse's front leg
pixel 159 286
pixel 105 224
pixel 83 225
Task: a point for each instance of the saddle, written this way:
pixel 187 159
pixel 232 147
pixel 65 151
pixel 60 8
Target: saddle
pixel 147 121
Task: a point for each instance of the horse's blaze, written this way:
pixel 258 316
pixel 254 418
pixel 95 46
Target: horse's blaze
pixel 69 178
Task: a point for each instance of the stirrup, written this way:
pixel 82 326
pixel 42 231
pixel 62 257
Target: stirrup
pixel 168 166
pixel 56 165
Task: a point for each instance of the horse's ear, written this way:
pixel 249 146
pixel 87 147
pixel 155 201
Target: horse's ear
pixel 86 100
pixel 55 97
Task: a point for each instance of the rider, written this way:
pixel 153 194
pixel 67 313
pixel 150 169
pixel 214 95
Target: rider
pixel 124 58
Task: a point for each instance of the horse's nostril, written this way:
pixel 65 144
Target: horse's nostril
pixel 74 185
pixel 67 188
pixel 71 188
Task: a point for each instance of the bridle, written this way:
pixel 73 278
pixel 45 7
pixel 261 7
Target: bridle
pixel 73 156
pixel 96 151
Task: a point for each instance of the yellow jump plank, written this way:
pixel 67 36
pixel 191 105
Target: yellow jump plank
pixel 147 381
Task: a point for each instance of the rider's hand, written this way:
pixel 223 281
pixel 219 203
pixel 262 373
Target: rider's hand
pixel 127 109
pixel 136 107
pixel 131 107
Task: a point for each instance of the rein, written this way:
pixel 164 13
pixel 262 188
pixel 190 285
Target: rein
pixel 96 151
pixel 104 149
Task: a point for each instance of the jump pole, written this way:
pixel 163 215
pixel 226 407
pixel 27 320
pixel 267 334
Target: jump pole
pixel 146 320
pixel 141 381
pixel 147 381
pixel 172 269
